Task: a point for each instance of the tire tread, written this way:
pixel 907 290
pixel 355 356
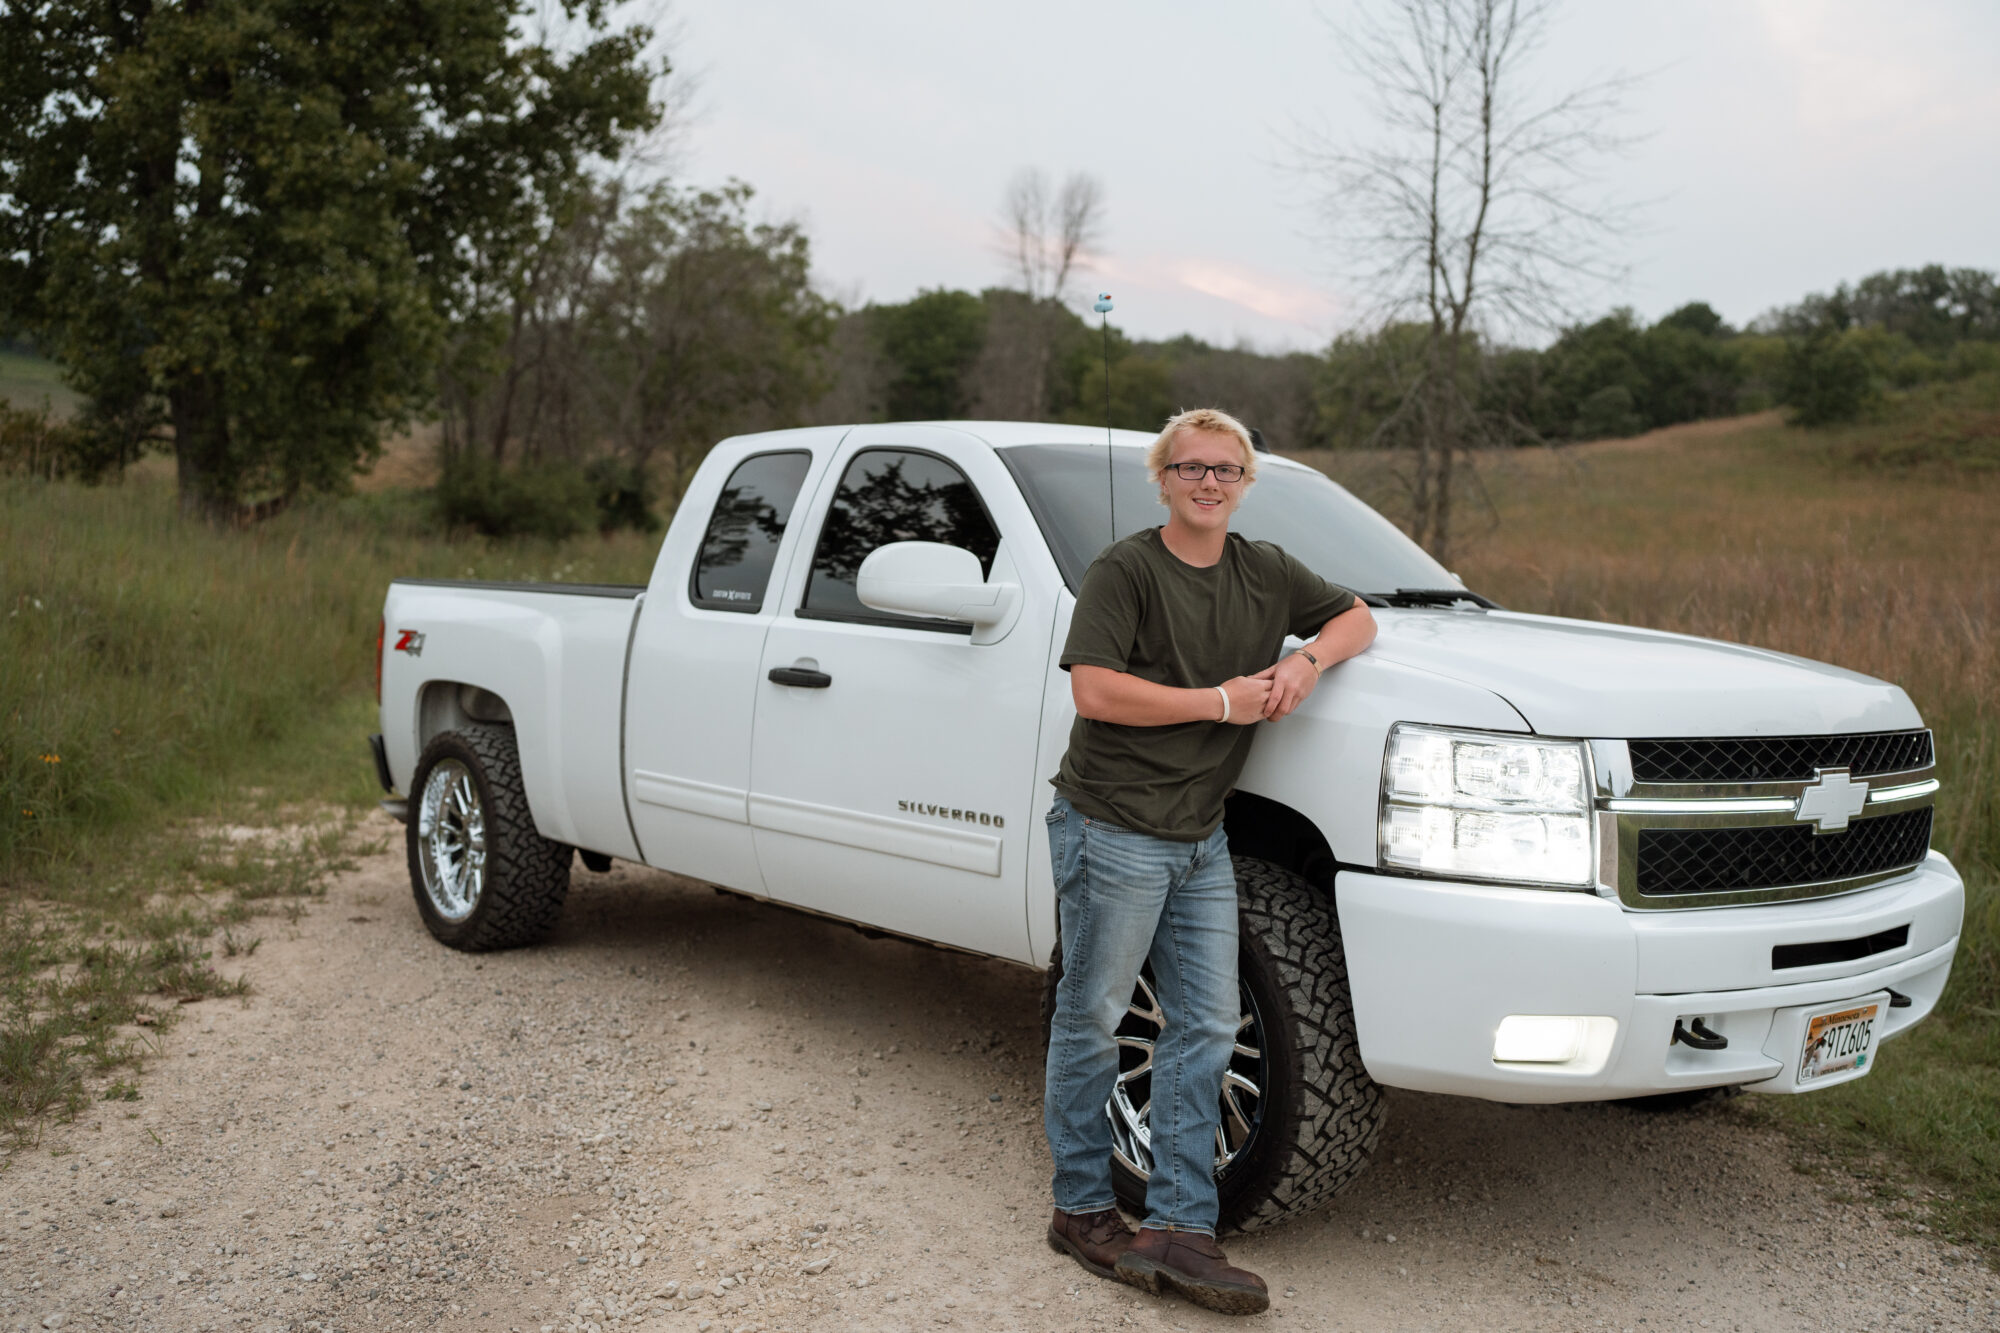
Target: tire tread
pixel 1337 1109
pixel 527 875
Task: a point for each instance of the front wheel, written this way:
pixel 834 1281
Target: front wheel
pixel 483 877
pixel 1300 1115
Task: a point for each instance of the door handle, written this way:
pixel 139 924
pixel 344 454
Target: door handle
pixel 802 677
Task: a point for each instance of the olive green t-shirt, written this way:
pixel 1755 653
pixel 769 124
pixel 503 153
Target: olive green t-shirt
pixel 1144 611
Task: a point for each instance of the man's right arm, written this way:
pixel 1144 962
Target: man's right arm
pixel 1104 695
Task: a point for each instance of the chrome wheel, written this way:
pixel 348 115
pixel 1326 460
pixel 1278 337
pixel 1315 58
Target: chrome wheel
pixel 451 840
pixel 1131 1101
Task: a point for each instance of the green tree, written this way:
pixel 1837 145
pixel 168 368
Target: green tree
pixel 249 221
pixel 1827 380
pixel 642 331
pixel 1367 382
pixel 1587 360
pixel 703 323
pixel 1935 307
pixel 931 341
pixel 1697 317
pixel 1615 376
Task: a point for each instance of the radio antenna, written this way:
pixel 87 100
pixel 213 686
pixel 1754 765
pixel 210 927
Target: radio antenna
pixel 1103 309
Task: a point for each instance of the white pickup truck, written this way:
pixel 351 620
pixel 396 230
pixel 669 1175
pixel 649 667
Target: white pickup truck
pixel 1498 855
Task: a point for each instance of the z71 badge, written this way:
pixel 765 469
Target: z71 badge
pixel 410 641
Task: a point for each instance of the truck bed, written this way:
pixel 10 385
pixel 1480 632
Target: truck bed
pixel 555 653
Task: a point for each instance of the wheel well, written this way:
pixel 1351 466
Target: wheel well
pixel 1270 831
pixel 451 705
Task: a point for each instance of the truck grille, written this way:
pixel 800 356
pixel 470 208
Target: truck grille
pixel 1675 861
pixel 1778 758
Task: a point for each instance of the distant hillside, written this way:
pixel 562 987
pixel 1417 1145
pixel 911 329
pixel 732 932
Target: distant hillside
pixel 26 379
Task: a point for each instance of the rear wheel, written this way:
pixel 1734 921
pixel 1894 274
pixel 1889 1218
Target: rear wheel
pixel 483 877
pixel 1300 1115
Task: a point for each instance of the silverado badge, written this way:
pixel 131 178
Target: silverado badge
pixel 1831 799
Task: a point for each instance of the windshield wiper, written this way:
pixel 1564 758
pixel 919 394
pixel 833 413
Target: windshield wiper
pixel 1429 597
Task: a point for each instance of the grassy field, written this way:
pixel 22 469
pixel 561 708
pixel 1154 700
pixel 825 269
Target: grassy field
pixel 1875 547
pixel 26 380
pixel 182 718
pixel 181 713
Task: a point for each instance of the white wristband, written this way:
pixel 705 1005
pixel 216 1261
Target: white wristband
pixel 1225 703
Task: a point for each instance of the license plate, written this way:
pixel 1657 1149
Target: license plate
pixel 1839 1041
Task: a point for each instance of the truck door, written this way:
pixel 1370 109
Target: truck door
pixel 891 771
pixel 691 684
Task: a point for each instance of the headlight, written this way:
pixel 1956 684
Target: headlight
pixel 1486 806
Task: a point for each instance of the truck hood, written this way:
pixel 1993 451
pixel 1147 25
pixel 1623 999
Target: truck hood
pixel 1582 678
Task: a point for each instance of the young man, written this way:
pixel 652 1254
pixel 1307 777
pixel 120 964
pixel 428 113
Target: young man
pixel 1172 655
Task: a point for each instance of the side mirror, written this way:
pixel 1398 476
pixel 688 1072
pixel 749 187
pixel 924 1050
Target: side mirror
pixel 932 579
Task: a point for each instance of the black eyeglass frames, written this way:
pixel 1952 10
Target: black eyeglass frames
pixel 1224 472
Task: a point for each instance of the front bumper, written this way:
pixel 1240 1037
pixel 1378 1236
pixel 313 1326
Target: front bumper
pixel 1435 966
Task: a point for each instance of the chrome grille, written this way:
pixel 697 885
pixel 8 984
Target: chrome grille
pixel 1729 860
pixel 1716 828
pixel 1778 758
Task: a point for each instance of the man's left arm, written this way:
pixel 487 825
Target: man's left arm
pixel 1294 676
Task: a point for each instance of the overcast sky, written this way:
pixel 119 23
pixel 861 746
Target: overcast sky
pixel 1789 144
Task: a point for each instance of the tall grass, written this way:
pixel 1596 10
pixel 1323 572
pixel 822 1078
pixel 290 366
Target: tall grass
pixel 145 659
pixel 159 678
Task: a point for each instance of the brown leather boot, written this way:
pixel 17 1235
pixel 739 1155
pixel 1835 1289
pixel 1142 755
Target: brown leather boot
pixel 1094 1240
pixel 1193 1265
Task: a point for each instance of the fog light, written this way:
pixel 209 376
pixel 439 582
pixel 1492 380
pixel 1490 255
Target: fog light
pixel 1538 1039
pixel 1581 1045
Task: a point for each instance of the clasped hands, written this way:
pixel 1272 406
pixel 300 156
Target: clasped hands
pixel 1271 693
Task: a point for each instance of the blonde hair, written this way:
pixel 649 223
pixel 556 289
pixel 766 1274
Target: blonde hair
pixel 1199 418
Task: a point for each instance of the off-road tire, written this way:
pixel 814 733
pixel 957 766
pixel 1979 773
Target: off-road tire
pixel 1321 1114
pixel 526 875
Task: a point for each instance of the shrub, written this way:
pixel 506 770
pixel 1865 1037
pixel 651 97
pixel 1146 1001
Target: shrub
pixel 624 495
pixel 1827 380
pixel 1606 413
pixel 37 444
pixel 552 500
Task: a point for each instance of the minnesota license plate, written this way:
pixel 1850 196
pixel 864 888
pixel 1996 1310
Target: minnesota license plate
pixel 1839 1041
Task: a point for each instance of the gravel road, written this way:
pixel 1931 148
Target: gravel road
pixel 692 1112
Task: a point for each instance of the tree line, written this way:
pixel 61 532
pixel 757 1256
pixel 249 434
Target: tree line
pixel 261 236
pixel 1828 358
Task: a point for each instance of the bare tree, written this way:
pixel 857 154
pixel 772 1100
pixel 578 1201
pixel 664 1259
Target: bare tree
pixel 1473 214
pixel 1047 235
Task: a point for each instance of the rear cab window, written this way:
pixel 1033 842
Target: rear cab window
pixel 733 568
pixel 894 495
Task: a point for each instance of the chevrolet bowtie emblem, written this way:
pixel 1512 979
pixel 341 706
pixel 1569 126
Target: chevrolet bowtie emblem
pixel 1831 799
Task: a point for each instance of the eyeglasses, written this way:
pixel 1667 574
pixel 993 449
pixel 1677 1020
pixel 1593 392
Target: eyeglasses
pixel 1224 472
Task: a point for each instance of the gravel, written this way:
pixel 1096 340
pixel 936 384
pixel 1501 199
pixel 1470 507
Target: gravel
pixel 690 1111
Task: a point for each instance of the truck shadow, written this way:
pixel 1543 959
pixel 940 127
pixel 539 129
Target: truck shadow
pixel 969 1028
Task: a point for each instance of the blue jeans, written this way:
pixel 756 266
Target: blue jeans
pixel 1127 898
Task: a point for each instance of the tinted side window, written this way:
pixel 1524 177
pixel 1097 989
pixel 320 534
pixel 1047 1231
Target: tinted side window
pixel 893 495
pixel 734 566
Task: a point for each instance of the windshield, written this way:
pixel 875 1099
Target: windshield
pixel 1329 531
